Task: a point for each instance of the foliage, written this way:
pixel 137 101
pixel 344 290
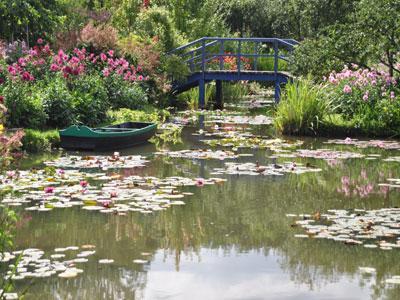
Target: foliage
pixel 368 97
pixel 127 115
pixel 175 68
pixel 36 141
pixel 90 100
pixel 24 104
pixel 140 51
pixel 46 89
pixel 8 220
pixel 190 98
pixel 122 94
pixel 29 19
pixel 156 22
pixel 100 37
pixel 234 92
pixel 368 36
pixel 58 103
pixel 302 108
pixel 8 142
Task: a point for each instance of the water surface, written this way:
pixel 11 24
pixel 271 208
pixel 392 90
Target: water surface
pixel 230 241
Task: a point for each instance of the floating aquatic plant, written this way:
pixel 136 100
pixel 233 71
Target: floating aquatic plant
pixel 378 228
pixel 199 154
pixel 383 144
pixel 256 169
pixel 96 161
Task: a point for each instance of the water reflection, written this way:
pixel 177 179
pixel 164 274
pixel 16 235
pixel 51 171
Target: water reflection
pixel 231 241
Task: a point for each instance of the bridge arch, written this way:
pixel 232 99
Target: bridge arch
pixel 233 59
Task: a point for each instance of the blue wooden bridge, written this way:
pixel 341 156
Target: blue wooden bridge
pixel 233 59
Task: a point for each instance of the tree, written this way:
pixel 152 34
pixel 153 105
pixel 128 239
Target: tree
pixel 380 22
pixel 29 19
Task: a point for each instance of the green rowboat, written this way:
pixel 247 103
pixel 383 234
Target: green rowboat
pixel 112 137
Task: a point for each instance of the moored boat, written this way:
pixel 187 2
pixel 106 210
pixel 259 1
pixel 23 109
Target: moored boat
pixel 112 137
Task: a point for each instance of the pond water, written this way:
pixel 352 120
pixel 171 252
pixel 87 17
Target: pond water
pixel 231 240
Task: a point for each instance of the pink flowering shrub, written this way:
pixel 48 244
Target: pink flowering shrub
pixel 368 97
pixel 43 87
pixel 8 142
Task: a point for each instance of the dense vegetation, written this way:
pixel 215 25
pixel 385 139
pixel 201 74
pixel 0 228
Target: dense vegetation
pixel 68 61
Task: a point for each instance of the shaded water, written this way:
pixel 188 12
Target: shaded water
pixel 230 241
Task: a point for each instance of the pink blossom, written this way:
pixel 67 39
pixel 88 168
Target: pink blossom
pixel 39 41
pixel 54 67
pixel 74 60
pixel 22 61
pixel 46 48
pixel 49 189
pixel 12 70
pixel 26 76
pixel 11 174
pixel 60 171
pixel 366 96
pixel 345 180
pixel 392 95
pixel 347 89
pixel 83 183
pixel 200 182
pixel 61 54
pixel 140 77
pixel 106 72
pixel 110 53
pixel 103 57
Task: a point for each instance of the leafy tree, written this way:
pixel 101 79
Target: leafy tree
pixel 29 19
pixel 380 22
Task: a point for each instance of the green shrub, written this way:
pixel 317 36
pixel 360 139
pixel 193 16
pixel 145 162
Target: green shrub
pixel 301 109
pixel 123 94
pixel 24 104
pixel 234 92
pixel 127 115
pixel 58 103
pixel 36 141
pixel 90 99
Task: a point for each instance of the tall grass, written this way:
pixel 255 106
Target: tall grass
pixel 191 97
pixel 302 108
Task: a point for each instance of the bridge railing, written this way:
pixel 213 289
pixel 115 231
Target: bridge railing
pixel 236 54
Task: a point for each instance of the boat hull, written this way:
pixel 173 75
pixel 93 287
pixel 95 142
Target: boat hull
pixel 106 142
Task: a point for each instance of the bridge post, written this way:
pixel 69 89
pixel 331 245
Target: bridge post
pixel 277 83
pixel 202 93
pixel 219 104
pixel 277 91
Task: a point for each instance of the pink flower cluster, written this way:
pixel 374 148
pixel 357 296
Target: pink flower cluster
pixel 41 59
pixel 363 80
pixel 34 59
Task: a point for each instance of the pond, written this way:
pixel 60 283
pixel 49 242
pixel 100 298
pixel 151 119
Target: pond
pixel 236 239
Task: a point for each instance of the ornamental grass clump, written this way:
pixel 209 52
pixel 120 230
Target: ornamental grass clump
pixel 302 108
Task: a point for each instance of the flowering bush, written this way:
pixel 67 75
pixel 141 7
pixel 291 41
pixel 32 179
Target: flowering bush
pixel 99 37
pixel 38 87
pixel 368 97
pixel 8 143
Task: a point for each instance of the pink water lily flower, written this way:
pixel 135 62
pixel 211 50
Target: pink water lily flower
pixel 49 189
pixel 200 182
pixel 83 183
